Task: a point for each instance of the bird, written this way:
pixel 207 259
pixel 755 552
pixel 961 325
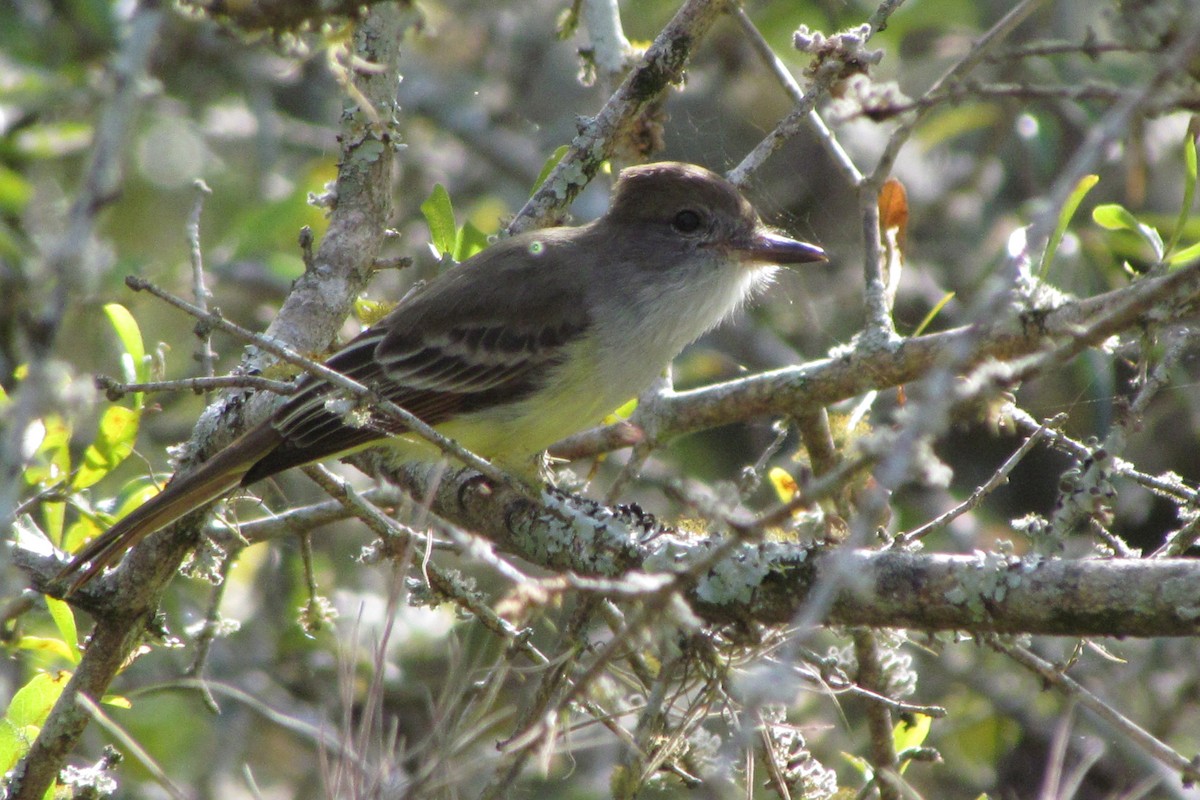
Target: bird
pixel 537 337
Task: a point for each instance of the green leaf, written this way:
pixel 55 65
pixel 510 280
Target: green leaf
pixel 1064 219
pixel 46 644
pixel 14 744
pixel 624 411
pixel 860 765
pixel 550 164
pixel 54 516
pixel 131 339
pixel 113 443
pixel 470 241
pixel 1185 255
pixel 15 191
pixel 1114 217
pixel 368 312
pixel 91 524
pixel 64 620
pixel 52 462
pixel 906 735
pixel 1189 181
pixel 1154 239
pixel 54 140
pixel 439 215
pixel 33 701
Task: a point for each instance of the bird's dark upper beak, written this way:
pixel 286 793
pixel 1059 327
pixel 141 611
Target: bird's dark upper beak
pixel 765 247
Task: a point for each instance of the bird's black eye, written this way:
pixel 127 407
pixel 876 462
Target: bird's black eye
pixel 686 221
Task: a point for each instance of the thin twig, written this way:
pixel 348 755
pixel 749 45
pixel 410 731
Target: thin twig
pixel 766 53
pixel 801 115
pixel 662 66
pixel 132 746
pixel 115 389
pixel 200 292
pixel 997 479
pixel 1156 748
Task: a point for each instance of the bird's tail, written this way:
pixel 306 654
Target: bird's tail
pixel 185 493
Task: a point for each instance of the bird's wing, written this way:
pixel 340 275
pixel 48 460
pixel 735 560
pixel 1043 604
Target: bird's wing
pixel 435 363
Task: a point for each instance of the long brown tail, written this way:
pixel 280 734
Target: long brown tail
pixel 185 493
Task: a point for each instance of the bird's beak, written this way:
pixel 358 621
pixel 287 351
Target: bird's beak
pixel 765 247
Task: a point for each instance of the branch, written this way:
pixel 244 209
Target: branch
pixel 661 67
pixel 845 375
pixel 315 308
pixel 770 582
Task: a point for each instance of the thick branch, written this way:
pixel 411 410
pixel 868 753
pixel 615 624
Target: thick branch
pixel 831 380
pixel 769 582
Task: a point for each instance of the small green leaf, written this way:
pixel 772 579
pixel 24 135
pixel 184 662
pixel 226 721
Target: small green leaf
pixel 957 121
pixel 52 462
pixel 906 735
pixel 625 410
pixel 91 524
pixel 15 191
pixel 471 240
pixel 368 312
pixel 1189 181
pixel 439 215
pixel 1064 218
pixel 860 765
pixel 85 528
pixel 64 620
pixel 113 443
pixel 1114 217
pixel 1154 239
pixel 54 516
pixel 54 140
pixel 33 701
pixel 131 337
pixel 46 644
pixel 549 166
pixel 14 744
pixel 1185 255
pixel 135 368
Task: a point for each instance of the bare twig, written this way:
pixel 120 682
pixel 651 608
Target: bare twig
pixel 987 487
pixel 200 292
pixel 1055 676
pixel 827 138
pixel 115 390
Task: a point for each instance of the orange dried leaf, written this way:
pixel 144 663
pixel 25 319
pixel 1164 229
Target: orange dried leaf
pixel 893 210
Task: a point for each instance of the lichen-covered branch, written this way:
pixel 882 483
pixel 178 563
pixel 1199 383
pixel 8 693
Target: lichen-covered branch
pixel 770 582
pixel 854 371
